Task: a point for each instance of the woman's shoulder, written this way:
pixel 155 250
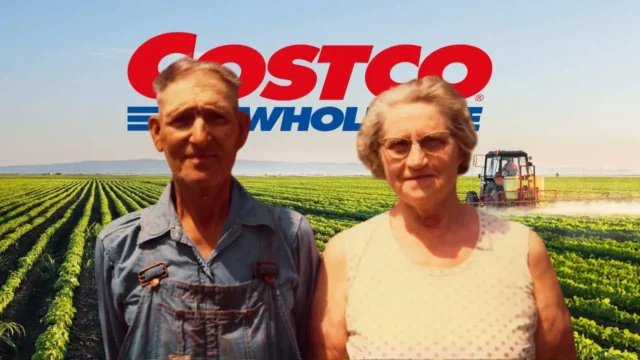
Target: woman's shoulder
pixel 508 244
pixel 350 240
pixel 364 228
pixel 497 224
pixel 504 233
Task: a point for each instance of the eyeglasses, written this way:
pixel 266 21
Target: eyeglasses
pixel 432 143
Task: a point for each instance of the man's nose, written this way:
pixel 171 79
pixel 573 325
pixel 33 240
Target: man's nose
pixel 199 131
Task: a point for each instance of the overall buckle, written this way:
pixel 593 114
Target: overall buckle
pixel 268 270
pixel 156 271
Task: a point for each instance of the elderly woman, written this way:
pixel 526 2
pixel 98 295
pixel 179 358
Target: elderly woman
pixel 432 277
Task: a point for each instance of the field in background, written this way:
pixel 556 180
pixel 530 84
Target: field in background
pixel 48 226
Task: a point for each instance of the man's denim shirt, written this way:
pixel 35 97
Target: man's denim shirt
pixel 205 308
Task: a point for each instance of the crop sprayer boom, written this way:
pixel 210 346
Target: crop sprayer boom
pixel 509 178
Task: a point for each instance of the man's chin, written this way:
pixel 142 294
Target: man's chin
pixel 199 178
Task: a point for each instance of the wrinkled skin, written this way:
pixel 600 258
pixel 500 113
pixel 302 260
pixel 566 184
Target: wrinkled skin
pixel 199 129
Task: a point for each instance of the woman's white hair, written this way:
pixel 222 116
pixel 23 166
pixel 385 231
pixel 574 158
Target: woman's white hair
pixel 430 90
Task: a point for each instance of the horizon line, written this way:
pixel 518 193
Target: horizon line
pixel 548 168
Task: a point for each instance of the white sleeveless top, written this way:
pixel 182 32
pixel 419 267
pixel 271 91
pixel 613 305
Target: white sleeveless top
pixel 481 309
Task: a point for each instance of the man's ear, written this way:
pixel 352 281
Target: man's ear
pixel 244 124
pixel 154 130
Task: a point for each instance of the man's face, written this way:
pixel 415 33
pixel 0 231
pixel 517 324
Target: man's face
pixel 199 128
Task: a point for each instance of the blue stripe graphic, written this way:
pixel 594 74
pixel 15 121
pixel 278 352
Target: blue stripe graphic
pixel 138 118
pixel 142 110
pixel 137 127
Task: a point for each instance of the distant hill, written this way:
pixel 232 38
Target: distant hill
pixel 160 167
pixel 248 167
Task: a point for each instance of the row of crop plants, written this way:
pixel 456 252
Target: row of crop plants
pixel 16 277
pixel 15 189
pixel 20 226
pixel 14 280
pixel 16 199
pixel 32 206
pixel 52 343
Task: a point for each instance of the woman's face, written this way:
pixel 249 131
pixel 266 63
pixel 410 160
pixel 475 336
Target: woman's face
pixel 421 173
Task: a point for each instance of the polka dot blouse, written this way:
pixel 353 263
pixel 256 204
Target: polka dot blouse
pixel 481 309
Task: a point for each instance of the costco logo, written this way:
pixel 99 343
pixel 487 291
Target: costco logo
pixel 341 60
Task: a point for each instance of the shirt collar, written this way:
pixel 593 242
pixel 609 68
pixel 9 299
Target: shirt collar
pixel 161 217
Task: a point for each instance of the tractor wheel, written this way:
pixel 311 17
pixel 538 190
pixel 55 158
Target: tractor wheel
pixel 472 197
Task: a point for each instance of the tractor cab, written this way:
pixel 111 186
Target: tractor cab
pixel 504 177
pixel 505 164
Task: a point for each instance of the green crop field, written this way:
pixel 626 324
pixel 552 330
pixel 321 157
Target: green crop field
pixel 48 225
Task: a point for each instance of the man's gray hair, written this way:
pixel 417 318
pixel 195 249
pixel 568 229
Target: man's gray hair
pixel 187 65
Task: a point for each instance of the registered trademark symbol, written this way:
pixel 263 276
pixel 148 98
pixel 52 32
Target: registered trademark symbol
pixel 479 97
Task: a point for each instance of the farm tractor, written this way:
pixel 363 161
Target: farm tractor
pixel 509 178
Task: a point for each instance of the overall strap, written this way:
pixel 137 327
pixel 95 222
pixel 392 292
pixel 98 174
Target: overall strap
pixel 155 269
pixel 267 267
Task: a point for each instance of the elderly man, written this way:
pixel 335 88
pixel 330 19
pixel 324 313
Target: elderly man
pixel 207 272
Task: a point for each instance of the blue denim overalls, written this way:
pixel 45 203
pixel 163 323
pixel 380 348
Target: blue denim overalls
pixel 182 321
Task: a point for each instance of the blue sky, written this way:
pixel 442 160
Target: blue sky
pixel 564 86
